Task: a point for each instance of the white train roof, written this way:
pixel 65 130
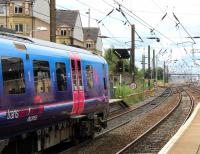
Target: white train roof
pixel 59 48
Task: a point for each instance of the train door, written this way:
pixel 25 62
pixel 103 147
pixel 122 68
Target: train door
pixel 77 85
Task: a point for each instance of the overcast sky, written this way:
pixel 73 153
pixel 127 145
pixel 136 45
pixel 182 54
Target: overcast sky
pixel 146 15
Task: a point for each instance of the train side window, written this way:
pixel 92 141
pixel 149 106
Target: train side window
pixel 89 76
pixel 13 75
pixel 61 76
pixel 80 76
pixel 74 75
pixel 41 76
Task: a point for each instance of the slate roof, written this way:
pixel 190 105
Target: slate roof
pixel 90 33
pixel 4 1
pixel 2 29
pixel 66 17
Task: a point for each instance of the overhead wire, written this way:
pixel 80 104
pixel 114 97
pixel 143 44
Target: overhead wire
pixel 177 25
pixel 112 36
pixel 183 27
pixel 69 24
pixel 107 15
pixel 130 24
pixel 123 43
pixel 100 11
pixel 76 26
pixel 44 14
pixel 144 23
pixel 141 22
pixel 97 21
pixel 108 3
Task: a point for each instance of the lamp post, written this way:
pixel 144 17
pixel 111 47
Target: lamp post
pixel 143 67
pixel 38 29
pixel 155 60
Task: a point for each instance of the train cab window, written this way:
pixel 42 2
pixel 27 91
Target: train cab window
pixel 104 83
pixel 13 75
pixel 61 76
pixel 41 76
pixel 104 76
pixel 89 76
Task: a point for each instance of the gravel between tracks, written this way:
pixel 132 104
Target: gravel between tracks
pixel 154 141
pixel 158 92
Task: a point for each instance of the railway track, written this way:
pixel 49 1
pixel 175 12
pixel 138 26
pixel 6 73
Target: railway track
pixel 134 113
pixel 117 106
pixel 157 136
pixel 130 116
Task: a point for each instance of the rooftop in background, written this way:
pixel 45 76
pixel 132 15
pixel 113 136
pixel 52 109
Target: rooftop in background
pixel 66 17
pixel 122 53
pixel 6 1
pixel 91 33
pixel 2 1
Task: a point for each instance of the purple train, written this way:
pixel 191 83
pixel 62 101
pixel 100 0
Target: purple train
pixel 49 93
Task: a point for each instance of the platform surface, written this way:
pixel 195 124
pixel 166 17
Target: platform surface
pixel 187 139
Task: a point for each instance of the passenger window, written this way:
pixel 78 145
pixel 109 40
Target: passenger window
pixel 80 83
pixel 13 75
pixel 89 76
pixel 61 76
pixel 74 76
pixel 41 76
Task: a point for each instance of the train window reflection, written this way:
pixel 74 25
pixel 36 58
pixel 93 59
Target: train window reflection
pixel 61 76
pixel 89 76
pixel 74 75
pixel 80 76
pixel 41 76
pixel 13 75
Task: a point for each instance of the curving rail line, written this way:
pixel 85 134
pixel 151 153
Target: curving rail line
pixel 143 140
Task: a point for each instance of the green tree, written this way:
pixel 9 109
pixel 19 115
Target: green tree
pixel 160 73
pixel 111 59
pixel 113 62
pixel 140 73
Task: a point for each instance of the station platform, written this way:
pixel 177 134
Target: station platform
pixel 187 139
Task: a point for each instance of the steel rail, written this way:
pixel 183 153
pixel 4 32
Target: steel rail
pixel 191 107
pixel 124 149
pixel 149 131
pixel 139 107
